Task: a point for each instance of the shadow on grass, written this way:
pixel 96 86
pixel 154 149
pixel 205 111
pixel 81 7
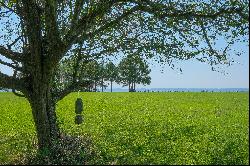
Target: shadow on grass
pixel 71 150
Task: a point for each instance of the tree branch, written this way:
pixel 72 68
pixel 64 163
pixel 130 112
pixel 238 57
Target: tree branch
pixel 163 11
pixel 11 65
pixel 11 82
pixel 5 6
pixel 14 56
pixel 13 9
pixel 52 31
pixel 215 15
pixel 115 22
pixel 78 28
pixel 77 10
pixel 207 39
pixel 73 87
pixel 15 41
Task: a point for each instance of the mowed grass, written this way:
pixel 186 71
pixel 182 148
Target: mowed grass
pixel 141 128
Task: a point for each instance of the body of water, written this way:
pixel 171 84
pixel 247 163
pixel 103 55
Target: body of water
pixel 182 90
pixel 178 90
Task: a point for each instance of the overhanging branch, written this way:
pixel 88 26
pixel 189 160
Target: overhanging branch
pixel 162 11
pixel 15 41
pixel 73 87
pixel 207 39
pixel 14 56
pixel 110 24
pixel 11 65
pixel 11 82
pixel 81 24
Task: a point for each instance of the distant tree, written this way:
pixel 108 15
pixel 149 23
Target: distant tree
pixel 102 75
pixel 134 70
pixel 111 73
pixel 94 73
pixel 84 69
pixel 77 68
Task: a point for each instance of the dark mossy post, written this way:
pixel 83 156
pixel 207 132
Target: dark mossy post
pixel 78 106
pixel 78 119
pixel 78 111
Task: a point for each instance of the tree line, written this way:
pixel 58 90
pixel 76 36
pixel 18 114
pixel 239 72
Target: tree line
pixel 130 71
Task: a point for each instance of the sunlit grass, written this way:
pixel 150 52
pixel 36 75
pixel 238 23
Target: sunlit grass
pixel 141 128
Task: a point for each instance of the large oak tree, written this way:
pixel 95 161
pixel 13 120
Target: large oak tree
pixel 37 34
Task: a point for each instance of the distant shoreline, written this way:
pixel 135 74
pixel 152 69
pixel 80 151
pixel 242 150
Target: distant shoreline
pixel 182 90
pixel 175 90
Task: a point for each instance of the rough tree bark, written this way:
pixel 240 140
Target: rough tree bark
pixel 44 114
pixel 41 66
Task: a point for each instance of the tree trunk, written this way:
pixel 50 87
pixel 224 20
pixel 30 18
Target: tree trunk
pixel 95 87
pixel 111 82
pixel 44 114
pixel 102 84
pixel 132 87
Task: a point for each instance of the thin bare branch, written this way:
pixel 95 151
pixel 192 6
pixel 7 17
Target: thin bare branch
pixel 11 65
pixel 207 39
pixel 15 41
pixel 5 6
pixel 15 9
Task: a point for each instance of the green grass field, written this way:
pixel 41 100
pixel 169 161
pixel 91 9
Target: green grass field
pixel 141 128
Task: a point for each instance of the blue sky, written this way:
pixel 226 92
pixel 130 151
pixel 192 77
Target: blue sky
pixel 199 75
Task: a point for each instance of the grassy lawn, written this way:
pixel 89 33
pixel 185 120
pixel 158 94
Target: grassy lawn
pixel 141 128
